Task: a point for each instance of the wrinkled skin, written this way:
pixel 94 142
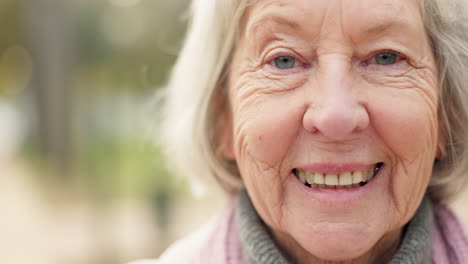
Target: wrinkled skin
pixel 335 106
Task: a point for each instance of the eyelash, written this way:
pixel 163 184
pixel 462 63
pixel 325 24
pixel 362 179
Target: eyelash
pixel 301 64
pixel 271 54
pixel 400 57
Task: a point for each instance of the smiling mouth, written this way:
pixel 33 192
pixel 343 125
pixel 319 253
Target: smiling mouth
pixel 349 179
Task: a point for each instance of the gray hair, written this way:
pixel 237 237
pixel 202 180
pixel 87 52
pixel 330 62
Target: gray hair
pixel 194 99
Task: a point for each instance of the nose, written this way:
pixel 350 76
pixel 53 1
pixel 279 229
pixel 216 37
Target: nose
pixel 334 109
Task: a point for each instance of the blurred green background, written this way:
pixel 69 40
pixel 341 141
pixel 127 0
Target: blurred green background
pixel 81 180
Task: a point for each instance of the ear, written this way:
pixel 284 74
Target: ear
pixel 225 136
pixel 224 126
pixel 441 141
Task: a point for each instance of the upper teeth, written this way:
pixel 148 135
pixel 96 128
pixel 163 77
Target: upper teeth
pixel 344 179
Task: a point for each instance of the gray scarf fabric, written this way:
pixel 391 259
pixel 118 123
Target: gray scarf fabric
pixel 259 247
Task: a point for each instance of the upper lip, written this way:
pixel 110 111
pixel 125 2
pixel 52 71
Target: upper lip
pixel 334 168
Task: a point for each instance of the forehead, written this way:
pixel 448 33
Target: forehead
pixel 320 16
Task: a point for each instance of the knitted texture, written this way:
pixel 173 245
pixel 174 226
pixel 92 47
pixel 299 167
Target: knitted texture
pixel 417 240
pixel 434 235
pixel 450 244
pixel 223 246
pixel 259 247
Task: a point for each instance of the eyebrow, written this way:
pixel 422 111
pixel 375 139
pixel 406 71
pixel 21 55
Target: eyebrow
pixel 286 22
pixel 384 25
pixel 373 29
pixel 276 19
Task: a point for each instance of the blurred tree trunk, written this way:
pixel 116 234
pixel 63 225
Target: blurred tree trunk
pixel 48 29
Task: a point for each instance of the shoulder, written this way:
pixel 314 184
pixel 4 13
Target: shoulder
pixel 184 250
pixel 450 224
pixel 145 261
pixel 450 241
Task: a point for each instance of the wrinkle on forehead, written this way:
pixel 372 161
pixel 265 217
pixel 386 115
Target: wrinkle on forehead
pixel 384 14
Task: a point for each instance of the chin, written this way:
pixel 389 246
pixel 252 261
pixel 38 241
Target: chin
pixel 337 242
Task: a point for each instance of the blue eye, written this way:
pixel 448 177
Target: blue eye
pixel 386 58
pixel 285 62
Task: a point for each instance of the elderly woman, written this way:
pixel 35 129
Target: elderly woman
pixel 337 128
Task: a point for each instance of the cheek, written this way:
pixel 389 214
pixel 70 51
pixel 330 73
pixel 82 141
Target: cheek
pixel 265 124
pixel 407 124
pixel 269 137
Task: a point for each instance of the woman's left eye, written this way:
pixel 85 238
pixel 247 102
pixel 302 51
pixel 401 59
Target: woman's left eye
pixel 285 62
pixel 386 58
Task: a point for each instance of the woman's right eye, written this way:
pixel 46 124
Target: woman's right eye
pixel 285 62
pixel 386 58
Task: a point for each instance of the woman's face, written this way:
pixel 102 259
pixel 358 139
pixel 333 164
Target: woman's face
pixel 332 92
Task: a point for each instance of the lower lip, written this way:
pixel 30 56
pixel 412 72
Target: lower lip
pixel 339 195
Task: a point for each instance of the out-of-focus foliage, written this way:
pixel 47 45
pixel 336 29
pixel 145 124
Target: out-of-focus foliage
pixel 78 76
pixel 128 46
pixel 122 51
pixel 14 62
pixel 125 50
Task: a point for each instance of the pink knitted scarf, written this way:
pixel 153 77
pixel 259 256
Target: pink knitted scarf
pixel 449 242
